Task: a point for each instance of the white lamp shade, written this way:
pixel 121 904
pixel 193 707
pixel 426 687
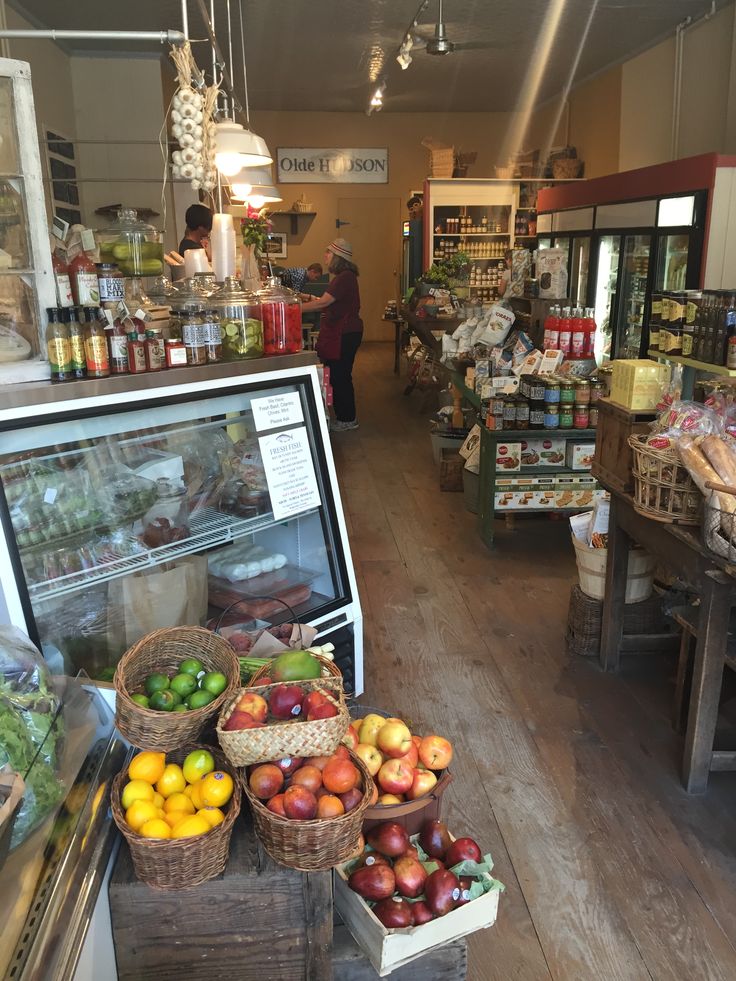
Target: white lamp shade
pixel 236 147
pixel 263 194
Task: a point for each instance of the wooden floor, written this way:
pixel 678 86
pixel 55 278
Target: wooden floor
pixel 568 776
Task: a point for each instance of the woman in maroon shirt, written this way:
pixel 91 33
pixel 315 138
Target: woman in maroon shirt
pixel 340 330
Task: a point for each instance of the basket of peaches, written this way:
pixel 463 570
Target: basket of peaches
pixel 410 770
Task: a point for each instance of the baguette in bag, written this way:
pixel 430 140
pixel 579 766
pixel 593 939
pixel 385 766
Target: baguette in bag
pixel 722 460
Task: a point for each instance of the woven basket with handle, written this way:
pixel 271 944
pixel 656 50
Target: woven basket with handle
pixel 181 862
pixel 311 846
pixel 163 651
pixel 294 737
pixel 663 488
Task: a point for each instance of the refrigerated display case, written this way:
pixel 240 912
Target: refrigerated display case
pixel 151 501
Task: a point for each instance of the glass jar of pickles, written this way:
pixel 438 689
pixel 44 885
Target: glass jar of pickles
pixel 241 324
pixel 282 318
pixel 134 245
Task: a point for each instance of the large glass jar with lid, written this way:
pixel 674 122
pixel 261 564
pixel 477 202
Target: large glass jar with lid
pixel 186 298
pixel 206 283
pixel 282 318
pixel 134 245
pixel 240 321
pixel 162 291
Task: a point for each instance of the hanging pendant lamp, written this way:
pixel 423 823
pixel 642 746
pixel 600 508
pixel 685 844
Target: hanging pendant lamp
pixel 255 182
pixel 237 147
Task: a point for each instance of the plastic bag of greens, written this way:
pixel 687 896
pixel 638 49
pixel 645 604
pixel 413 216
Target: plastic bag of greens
pixel 30 727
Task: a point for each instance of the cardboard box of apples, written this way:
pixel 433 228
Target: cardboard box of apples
pixel 410 770
pixel 404 896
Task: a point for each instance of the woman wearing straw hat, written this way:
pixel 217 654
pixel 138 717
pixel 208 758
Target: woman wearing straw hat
pixel 340 330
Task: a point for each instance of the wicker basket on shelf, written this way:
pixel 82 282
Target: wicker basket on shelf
pixel 663 488
pixel 567 168
pixel 162 651
pixel 719 521
pixel 178 863
pixel 311 846
pixel 293 737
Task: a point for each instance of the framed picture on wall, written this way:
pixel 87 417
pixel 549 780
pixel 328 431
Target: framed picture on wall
pixel 276 245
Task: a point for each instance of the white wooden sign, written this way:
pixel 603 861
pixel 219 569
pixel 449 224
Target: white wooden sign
pixel 330 165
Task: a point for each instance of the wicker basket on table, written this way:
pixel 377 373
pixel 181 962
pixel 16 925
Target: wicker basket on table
pixel 292 737
pixel 719 521
pixel 178 863
pixel 311 846
pixel 163 651
pixel 663 488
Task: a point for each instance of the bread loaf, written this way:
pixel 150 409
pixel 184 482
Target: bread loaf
pixel 697 463
pixel 723 460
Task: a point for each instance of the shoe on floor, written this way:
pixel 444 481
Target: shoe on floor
pixel 338 426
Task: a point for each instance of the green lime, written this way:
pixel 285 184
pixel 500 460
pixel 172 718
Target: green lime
pixel 198 699
pixel 183 684
pixel 177 697
pixel 181 708
pixel 214 682
pixel 162 701
pixel 140 700
pixel 156 682
pixel 191 666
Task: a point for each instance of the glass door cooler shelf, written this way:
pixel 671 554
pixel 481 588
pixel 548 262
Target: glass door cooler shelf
pixel 124 518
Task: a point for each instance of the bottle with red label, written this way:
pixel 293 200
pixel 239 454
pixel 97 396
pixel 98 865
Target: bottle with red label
pixel 590 329
pixel 565 341
pixel 577 334
pixel 552 329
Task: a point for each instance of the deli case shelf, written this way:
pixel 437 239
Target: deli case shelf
pixel 126 510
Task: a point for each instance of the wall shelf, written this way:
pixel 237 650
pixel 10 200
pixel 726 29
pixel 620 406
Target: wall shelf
pixel 293 215
pixel 713 369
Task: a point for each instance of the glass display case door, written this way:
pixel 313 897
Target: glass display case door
pixel 609 253
pixel 632 291
pixel 672 261
pixel 26 277
pixel 579 268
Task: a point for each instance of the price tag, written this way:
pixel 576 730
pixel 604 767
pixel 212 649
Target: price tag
pixel 141 314
pixel 60 228
pixel 50 496
pixel 122 309
pixel 109 317
pixel 88 240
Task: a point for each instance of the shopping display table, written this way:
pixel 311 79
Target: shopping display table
pixel 680 549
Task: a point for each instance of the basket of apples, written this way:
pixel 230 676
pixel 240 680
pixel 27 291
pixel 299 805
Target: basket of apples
pixel 410 771
pixel 405 895
pixel 308 813
pixel 299 712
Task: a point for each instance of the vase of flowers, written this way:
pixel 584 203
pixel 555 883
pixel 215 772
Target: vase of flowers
pixel 255 228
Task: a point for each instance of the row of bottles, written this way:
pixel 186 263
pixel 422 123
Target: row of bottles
pixel 468 225
pixel 698 325
pixel 570 330
pixel 525 224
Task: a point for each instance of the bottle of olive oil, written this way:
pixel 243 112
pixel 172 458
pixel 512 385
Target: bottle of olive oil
pixel 58 347
pixel 72 316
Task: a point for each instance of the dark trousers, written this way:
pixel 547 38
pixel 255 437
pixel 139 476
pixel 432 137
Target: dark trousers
pixel 341 377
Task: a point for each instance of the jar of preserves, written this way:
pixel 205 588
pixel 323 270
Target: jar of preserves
pixel 176 353
pixel 593 415
pixel 509 414
pixel 133 245
pixel 241 326
pixel 581 416
pixel 155 351
pixel 111 283
pixel 192 334
pixel 536 416
pixel 583 393
pixel 281 310
pixel 551 416
pixel 567 391
pixel 522 414
pixel 567 416
pixel 552 392
pixel 597 391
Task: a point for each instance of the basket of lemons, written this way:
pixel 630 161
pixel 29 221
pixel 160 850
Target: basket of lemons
pixel 170 683
pixel 176 811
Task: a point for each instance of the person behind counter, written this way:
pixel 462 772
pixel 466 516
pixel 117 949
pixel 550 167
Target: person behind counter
pixel 340 330
pixel 296 277
pixel 198 220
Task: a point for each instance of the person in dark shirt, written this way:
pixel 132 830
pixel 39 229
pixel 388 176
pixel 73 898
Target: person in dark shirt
pixel 340 330
pixel 296 277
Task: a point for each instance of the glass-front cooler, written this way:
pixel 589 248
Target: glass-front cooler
pixel 609 251
pixel 634 278
pixel 212 502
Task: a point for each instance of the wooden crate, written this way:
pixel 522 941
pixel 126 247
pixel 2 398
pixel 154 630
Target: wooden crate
pixel 451 470
pixel 613 460
pixel 447 963
pixel 255 922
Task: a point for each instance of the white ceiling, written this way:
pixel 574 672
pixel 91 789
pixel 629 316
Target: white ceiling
pixel 327 54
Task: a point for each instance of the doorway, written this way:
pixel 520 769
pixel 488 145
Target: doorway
pixel 373 228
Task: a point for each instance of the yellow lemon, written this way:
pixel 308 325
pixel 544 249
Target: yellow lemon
pixel 198 763
pixel 213 815
pixel 217 789
pixel 174 817
pixel 178 802
pixel 157 799
pixel 156 828
pixel 190 826
pixel 187 790
pixel 171 781
pixel 136 790
pixel 147 766
pixel 195 794
pixel 139 812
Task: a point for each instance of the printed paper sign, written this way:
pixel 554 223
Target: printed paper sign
pixel 290 475
pixel 277 410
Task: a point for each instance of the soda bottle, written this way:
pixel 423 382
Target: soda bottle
pixel 552 329
pixel 565 341
pixel 590 328
pixel 577 335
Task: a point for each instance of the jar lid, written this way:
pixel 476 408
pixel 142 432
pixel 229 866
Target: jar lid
pixel 275 290
pixel 187 297
pixel 107 266
pixel 232 291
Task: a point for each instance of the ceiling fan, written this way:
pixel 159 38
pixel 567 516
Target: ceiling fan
pixel 439 43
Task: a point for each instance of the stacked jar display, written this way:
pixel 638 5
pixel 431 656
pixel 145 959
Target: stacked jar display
pixel 281 310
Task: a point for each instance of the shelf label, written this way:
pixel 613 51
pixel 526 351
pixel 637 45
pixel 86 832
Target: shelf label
pixel 292 482
pixel 277 410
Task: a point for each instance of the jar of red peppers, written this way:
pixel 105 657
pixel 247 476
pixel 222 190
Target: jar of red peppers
pixel 281 310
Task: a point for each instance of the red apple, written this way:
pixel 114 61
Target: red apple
pixel 309 777
pixel 351 738
pixel 394 913
pixel 373 881
pixel 388 838
pixel 386 800
pixel 370 756
pixel 421 913
pixel 442 890
pixel 276 804
pixel 423 782
pixel 410 876
pixel 465 884
pixel 434 838
pixel 241 720
pixel 266 780
pixel 313 699
pixel 255 704
pixel 395 777
pixel 372 858
pixel 411 852
pixel 412 756
pixel 325 710
pixel 300 804
pixel 289 764
pixel 394 739
pixel 319 761
pixel 285 701
pixel 462 849
pixel 435 752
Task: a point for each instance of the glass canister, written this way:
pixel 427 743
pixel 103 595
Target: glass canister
pixel 205 283
pixel 213 336
pixel 282 318
pixel 241 324
pixel 193 335
pixel 134 245
pixel 185 299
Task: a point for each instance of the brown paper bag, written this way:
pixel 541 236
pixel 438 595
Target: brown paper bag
pixel 171 595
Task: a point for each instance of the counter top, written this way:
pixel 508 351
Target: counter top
pixel 46 392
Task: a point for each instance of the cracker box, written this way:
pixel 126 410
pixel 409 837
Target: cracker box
pixel 543 452
pixel 579 456
pixel 508 457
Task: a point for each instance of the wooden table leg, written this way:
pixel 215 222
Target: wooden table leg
pixel 612 628
pixel 710 650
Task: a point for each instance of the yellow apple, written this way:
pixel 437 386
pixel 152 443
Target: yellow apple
pixel 370 727
pixel 394 739
pixel 370 756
